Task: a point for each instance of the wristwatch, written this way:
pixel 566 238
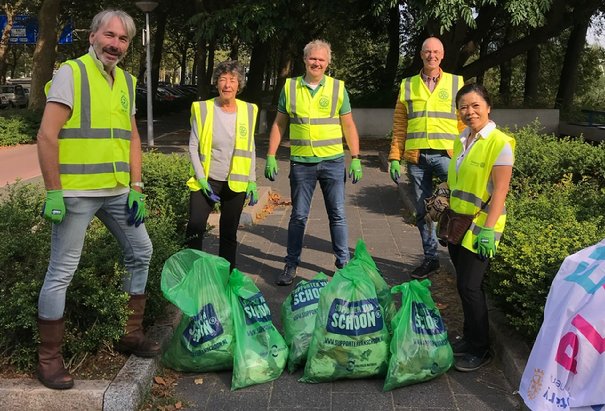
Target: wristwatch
pixel 137 184
pixel 356 156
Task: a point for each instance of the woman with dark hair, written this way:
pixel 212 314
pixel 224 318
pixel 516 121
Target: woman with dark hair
pixel 479 175
pixel 223 159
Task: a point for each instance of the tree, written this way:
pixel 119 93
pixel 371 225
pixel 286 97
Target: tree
pixel 10 8
pixel 45 52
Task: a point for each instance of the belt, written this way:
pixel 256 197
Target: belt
pixel 432 151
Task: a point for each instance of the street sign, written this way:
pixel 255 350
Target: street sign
pixel 25 30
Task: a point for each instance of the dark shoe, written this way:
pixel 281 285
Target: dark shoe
pixel 51 372
pixel 471 362
pixel 340 266
pixel 460 347
pixel 134 340
pixel 426 268
pixel 287 276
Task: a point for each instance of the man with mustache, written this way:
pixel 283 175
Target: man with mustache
pixel 89 151
pixel 425 124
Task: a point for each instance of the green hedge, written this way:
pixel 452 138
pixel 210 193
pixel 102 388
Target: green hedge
pixel 95 307
pixel 18 126
pixel 556 207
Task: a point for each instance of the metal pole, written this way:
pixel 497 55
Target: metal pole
pixel 149 86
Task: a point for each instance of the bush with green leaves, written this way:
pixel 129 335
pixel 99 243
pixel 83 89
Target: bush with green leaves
pixel 555 208
pixel 95 310
pixel 18 127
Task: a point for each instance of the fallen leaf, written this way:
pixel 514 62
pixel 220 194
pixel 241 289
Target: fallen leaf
pixel 198 381
pixel 159 380
pixel 178 405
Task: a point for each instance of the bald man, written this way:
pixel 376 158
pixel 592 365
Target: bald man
pixel 425 124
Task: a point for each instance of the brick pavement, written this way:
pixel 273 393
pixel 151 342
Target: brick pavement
pixel 374 213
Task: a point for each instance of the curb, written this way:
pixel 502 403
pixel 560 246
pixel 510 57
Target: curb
pixel 125 392
pixel 508 346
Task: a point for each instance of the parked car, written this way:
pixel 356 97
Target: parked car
pixel 15 94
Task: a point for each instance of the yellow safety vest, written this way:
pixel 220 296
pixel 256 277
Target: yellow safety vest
pixel 315 121
pixel 468 186
pixel 94 144
pixel 241 162
pixel 432 117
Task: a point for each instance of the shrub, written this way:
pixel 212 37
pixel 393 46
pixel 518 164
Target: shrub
pixel 95 310
pixel 555 208
pixel 18 127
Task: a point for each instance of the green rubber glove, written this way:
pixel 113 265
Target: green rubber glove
pixel 355 170
pixel 54 206
pixel 207 190
pixel 136 207
pixel 271 168
pixel 486 243
pixel 395 171
pixel 251 193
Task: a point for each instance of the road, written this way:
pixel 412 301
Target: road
pixel 18 163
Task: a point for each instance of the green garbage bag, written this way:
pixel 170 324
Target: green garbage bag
pixel 362 260
pixel 298 314
pixel 420 349
pixel 350 339
pixel 260 352
pixel 196 283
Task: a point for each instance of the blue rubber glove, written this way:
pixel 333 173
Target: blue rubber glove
pixel 53 209
pixel 355 170
pixel 251 193
pixel 207 191
pixel 395 171
pixel 136 208
pixel 271 168
pixel 486 243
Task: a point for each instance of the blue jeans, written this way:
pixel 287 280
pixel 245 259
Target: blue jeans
pixel 331 175
pixel 67 239
pixel 431 163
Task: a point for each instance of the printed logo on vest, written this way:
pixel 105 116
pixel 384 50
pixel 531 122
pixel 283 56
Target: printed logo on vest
pixel 355 317
pixel 306 294
pixel 324 102
pixel 256 309
pixel 426 320
pixel 203 327
pixel 443 94
pixel 124 102
pixel 243 131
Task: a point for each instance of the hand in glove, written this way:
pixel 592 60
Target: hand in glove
pixel 136 208
pixel 486 243
pixel 207 191
pixel 355 170
pixel 395 171
pixel 251 193
pixel 271 168
pixel 53 209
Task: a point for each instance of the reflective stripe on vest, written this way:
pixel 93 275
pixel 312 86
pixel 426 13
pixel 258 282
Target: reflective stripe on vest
pixel 315 128
pixel 468 186
pixel 94 144
pixel 432 117
pixel 241 162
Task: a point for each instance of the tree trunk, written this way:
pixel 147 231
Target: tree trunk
pixel 158 45
pixel 284 71
pixel 506 72
pixel 45 53
pixel 482 53
pixel 569 73
pixel 258 59
pixel 183 68
pixel 392 62
pixel 200 69
pixel 532 69
pixel 209 69
pixel 234 53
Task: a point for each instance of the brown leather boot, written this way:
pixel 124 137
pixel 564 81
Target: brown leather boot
pixel 134 340
pixel 51 371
